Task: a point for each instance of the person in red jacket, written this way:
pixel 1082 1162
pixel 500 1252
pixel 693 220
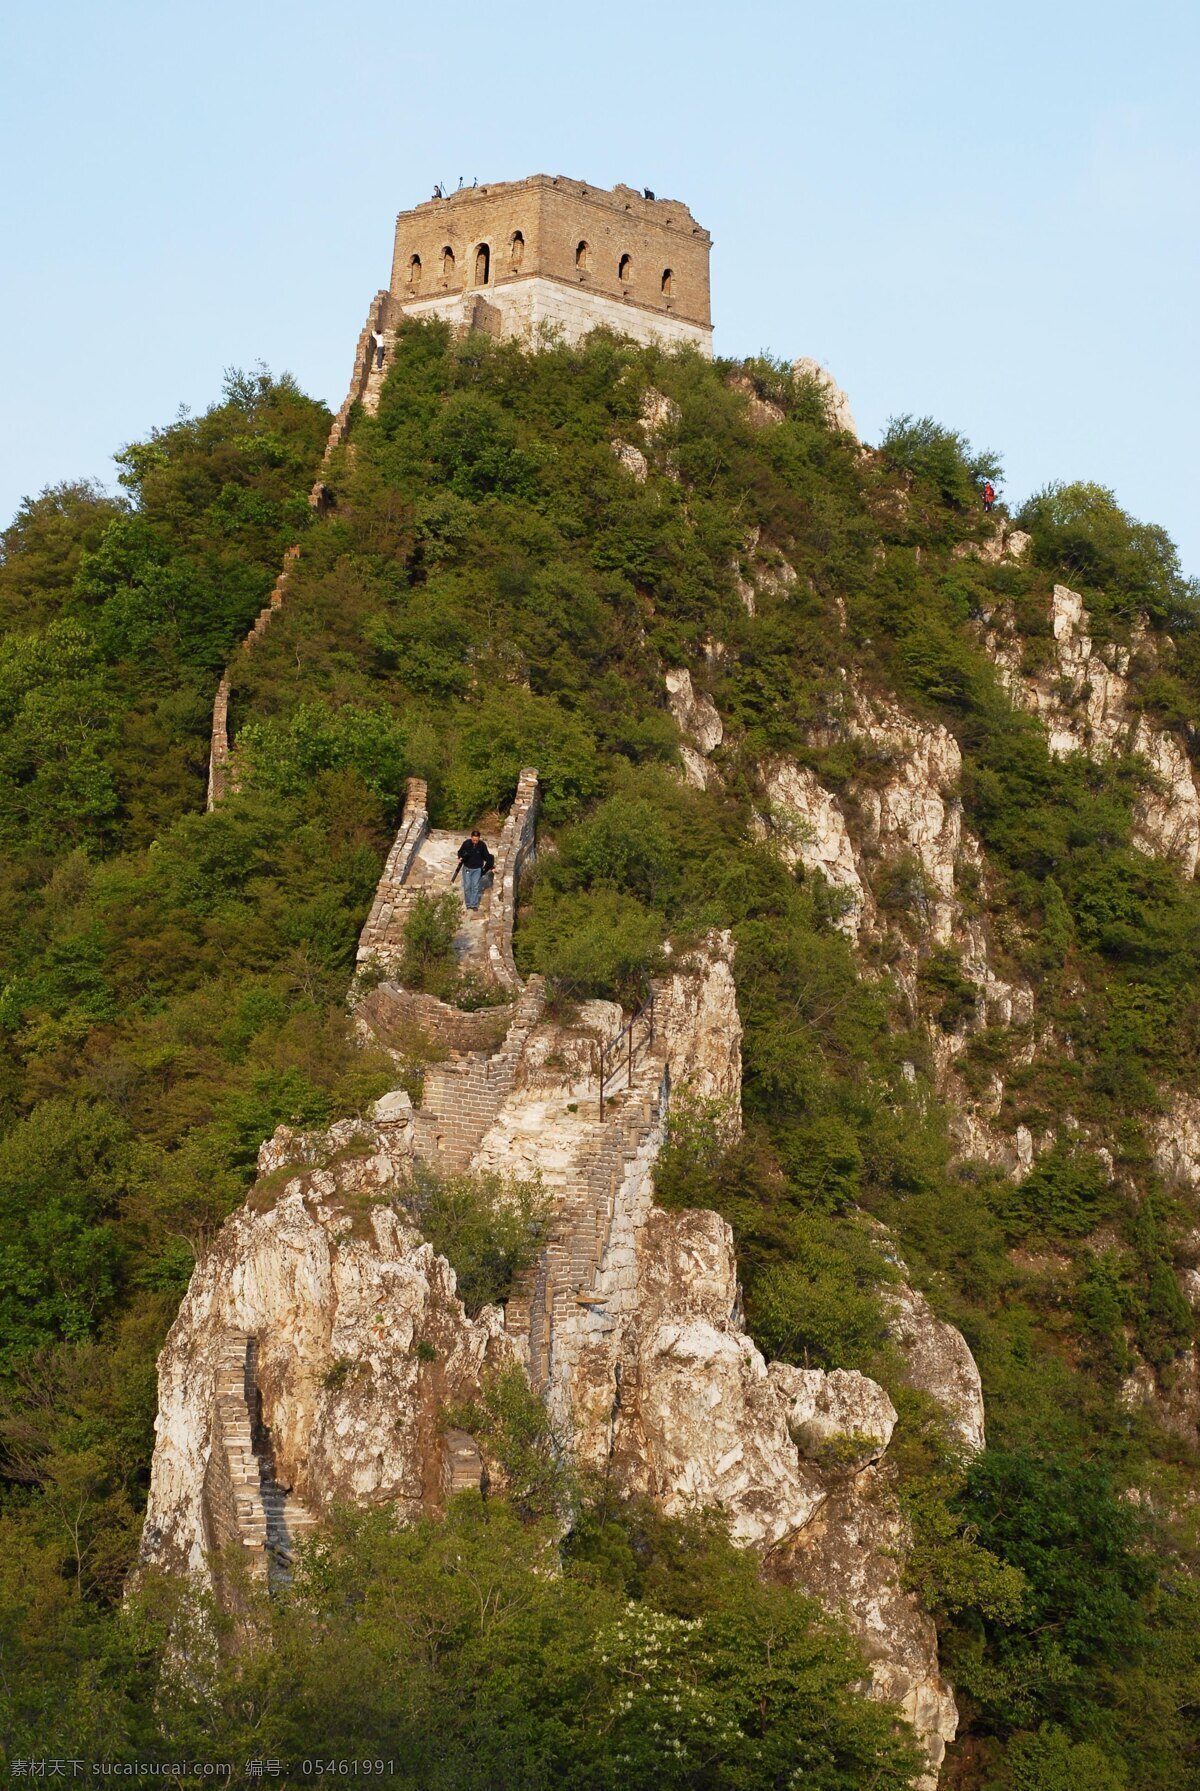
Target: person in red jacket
pixel 989 495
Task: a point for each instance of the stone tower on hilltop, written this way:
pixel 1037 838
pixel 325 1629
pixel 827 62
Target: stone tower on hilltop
pixel 557 253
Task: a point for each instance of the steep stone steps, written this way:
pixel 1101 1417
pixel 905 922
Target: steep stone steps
pixel 568 1268
pixel 244 1502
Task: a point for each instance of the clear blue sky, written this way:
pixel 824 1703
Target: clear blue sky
pixel 989 214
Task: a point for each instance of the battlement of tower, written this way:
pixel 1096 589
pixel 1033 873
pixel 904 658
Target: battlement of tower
pixel 548 251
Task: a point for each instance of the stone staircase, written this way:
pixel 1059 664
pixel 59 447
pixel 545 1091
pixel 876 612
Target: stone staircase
pixel 423 859
pixel 462 1097
pixel 244 1502
pixel 583 1270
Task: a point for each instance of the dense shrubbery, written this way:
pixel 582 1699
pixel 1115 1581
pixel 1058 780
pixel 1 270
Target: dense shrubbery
pixel 487 1227
pixel 493 589
pixel 453 1650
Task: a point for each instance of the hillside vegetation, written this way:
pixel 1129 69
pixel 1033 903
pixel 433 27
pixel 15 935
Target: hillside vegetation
pixel 493 588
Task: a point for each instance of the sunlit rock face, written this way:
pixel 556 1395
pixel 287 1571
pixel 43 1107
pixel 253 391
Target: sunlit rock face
pixel 358 1349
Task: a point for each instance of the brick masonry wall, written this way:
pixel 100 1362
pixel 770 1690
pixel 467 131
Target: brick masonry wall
pixel 218 752
pixel 630 243
pixel 518 845
pixel 414 825
pixel 231 1504
pixel 366 381
pixel 461 1099
pixel 390 1012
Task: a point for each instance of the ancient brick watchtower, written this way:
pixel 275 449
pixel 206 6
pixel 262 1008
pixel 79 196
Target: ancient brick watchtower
pixel 548 251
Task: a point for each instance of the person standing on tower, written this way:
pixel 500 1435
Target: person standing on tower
pixel 474 861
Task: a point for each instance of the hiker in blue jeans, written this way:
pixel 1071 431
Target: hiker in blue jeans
pixel 474 861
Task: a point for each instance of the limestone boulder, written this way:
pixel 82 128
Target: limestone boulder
pixel 837 404
pixel 838 1418
pixel 695 712
pixel 938 1361
pixel 808 827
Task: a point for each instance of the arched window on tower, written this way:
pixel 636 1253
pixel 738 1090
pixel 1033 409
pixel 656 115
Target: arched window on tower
pixel 483 264
pixel 667 279
pixel 414 271
pixel 518 249
pixel 447 263
pixel 625 269
pixel 582 256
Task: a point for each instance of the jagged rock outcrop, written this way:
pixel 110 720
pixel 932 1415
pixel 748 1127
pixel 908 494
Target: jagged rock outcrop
pixel 696 717
pixel 1175 1141
pixel 761 413
pixel 810 829
pixel 841 1556
pixel 913 807
pixel 701 1030
pixel 1003 543
pixel 1082 695
pixel 361 1339
pixel 837 404
pixel 632 459
pixel 760 572
pixel 900 823
pixel 938 1361
pixel 699 1420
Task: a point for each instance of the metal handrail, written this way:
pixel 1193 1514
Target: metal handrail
pixel 644 1011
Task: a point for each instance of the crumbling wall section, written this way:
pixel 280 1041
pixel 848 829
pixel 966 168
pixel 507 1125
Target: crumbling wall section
pixel 517 848
pixel 222 771
pixel 374 942
pixel 460 1099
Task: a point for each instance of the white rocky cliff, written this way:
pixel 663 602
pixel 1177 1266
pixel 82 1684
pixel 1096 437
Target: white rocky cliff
pixel 322 1341
pixel 894 850
pixel 1081 693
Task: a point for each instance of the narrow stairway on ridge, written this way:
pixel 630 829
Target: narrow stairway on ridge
pixel 431 873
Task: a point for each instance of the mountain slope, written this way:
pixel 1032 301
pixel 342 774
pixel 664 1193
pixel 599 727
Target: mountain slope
pixel 967 953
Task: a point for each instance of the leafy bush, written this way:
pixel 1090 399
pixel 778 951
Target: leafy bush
pixel 1081 1551
pixel 488 1227
pixel 1051 1761
pixel 1127 568
pixel 945 459
pixel 950 994
pixel 1067 1194
pixel 818 1307
pixel 603 944
pixel 287 755
pixel 429 930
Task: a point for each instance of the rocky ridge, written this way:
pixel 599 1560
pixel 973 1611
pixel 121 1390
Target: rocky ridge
pixel 629 1323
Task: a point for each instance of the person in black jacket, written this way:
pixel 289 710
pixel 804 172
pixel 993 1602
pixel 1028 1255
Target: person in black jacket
pixel 474 861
